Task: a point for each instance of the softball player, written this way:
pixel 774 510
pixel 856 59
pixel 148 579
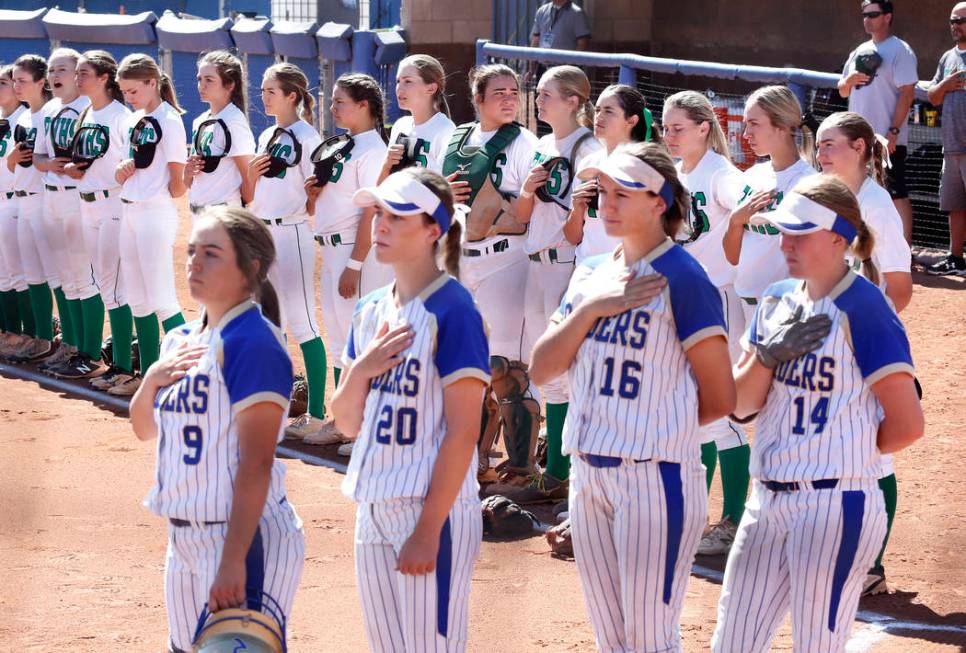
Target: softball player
pixel 342 229
pixel 641 334
pixel 99 147
pixel 222 144
pixel 563 103
pixel 150 180
pixel 216 402
pixel 416 366
pixel 620 116
pixel 694 136
pixel 36 258
pixel 278 173
pixel 18 317
pixel 850 150
pixel 421 90
pixel 64 225
pixel 827 369
pixel 773 117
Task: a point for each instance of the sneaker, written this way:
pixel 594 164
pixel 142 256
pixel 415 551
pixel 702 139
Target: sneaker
pixel 302 426
pixel 12 343
pixel 108 378
pixel 327 433
pixel 33 350
pixel 717 539
pixel 78 366
pixel 875 582
pixel 345 450
pixel 954 265
pixel 61 355
pixel 125 385
pixel 542 488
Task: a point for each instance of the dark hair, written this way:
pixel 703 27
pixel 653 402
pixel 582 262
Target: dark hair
pixel 230 71
pixel 104 63
pixel 254 254
pixel 856 128
pixel 363 88
pixel 442 190
pixel 141 67
pixel 37 67
pixel 431 72
pixel 291 79
pixel 634 103
pixel 885 5
pixel 657 157
pixel 480 77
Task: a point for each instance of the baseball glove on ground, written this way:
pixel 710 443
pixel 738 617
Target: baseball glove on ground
pixel 503 518
pixel 300 396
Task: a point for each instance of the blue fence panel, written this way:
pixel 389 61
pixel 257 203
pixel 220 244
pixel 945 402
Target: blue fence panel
pixel 513 20
pixel 133 6
pixel 254 41
pixel 384 14
pixel 296 42
pixel 119 35
pixel 22 32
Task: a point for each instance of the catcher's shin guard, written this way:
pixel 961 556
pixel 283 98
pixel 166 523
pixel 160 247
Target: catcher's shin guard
pixel 519 416
pixel 489 430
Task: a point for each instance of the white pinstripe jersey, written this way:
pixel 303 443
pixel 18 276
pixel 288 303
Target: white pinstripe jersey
pixel 821 419
pixel 403 425
pixel 198 449
pixel 632 391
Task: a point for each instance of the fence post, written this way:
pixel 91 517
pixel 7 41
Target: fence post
pixel 627 76
pixel 480 56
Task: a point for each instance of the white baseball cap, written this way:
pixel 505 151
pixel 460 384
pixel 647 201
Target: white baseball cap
pixel 403 194
pixel 631 173
pixel 798 214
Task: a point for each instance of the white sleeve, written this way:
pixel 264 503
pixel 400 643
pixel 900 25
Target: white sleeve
pixel 242 139
pixel 906 71
pixel 520 159
pixel 848 68
pixel 370 166
pixel 174 141
pixel 728 187
pixel 43 134
pixel 890 247
pixel 438 150
pixel 309 145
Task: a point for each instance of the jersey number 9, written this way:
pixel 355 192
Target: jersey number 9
pixel 193 439
pixel 402 424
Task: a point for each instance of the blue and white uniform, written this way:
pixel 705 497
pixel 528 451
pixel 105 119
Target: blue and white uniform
pixel 198 455
pixel 816 518
pixel 392 464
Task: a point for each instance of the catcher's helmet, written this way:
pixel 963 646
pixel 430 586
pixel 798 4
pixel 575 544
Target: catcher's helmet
pixel 235 629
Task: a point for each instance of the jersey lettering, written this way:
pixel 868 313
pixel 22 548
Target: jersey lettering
pixel 190 395
pixel 422 149
pixel 496 172
pixel 699 219
pixel 630 328
pixel 401 380
pixel 338 168
pixel 808 372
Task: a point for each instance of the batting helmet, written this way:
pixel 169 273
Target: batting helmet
pixel 235 629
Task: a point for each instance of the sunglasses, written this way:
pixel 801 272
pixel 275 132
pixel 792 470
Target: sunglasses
pixel 957 21
pixel 872 14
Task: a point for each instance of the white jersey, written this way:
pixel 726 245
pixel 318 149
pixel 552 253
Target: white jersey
pixel 224 183
pixel 29 179
pixel 152 182
pixel 715 186
pixel 434 136
pixel 198 450
pixel 595 240
pixel 6 146
pixel 548 218
pixel 890 251
pixel 403 424
pixel 821 419
pixel 115 120
pixel 59 130
pixel 761 262
pixel 284 196
pixel 334 209
pixel 633 394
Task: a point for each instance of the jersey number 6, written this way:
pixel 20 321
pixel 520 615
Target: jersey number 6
pixel 402 423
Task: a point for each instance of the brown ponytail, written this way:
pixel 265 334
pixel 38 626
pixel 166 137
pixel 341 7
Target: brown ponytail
pixel 431 72
pixel 363 88
pixel 291 79
pixel 143 68
pixel 166 89
pixel 573 82
pixel 856 128
pixel 103 63
pixel 230 71
pixel 656 156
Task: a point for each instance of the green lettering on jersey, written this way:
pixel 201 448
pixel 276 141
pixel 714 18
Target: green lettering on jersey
pixel 337 169
pixel 699 223
pixel 496 172
pixel 420 154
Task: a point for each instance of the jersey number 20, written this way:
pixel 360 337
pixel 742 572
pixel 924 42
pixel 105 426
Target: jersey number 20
pixel 400 424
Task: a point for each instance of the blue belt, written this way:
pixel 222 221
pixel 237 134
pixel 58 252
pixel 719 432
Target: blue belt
pixel 821 484
pixel 595 460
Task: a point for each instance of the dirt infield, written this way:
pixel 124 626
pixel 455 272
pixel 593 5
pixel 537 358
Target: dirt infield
pixel 81 560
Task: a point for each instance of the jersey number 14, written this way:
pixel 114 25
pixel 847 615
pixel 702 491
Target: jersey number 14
pixel 818 417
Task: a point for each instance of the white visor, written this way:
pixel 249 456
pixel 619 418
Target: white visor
pixel 631 173
pixel 401 193
pixel 799 215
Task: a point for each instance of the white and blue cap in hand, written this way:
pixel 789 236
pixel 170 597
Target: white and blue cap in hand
pixel 799 215
pixel 403 194
pixel 631 173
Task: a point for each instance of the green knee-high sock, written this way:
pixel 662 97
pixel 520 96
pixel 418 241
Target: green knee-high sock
pixel 735 478
pixel 149 340
pixel 11 312
pixel 42 305
pixel 93 316
pixel 337 375
pixel 122 333
pixel 890 491
pixel 27 313
pixel 77 321
pixel 67 333
pixel 172 322
pixel 313 353
pixel 709 458
pixel 558 465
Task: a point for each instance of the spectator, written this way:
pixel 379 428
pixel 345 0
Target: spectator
pixel 879 81
pixel 947 90
pixel 561 25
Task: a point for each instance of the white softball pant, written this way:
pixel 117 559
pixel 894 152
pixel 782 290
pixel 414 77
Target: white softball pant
pixel 495 280
pixel 273 565
pixel 13 277
pixel 102 232
pixel 723 432
pixel 808 550
pixel 293 276
pixel 36 255
pixel 415 614
pixel 65 233
pixel 148 231
pixel 635 529
pixel 547 281
pixel 336 309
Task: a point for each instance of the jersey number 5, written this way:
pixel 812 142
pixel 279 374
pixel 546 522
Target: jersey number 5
pixel 193 439
pixel 818 417
pixel 402 424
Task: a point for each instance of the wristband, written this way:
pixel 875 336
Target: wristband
pixel 525 194
pixel 353 264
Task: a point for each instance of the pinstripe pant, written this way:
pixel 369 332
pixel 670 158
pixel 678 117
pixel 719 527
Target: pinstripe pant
pixel 635 531
pixel 415 614
pixel 274 565
pixel 808 550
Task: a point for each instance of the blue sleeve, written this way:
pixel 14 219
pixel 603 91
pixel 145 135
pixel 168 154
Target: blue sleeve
pixel 350 345
pixel 878 338
pixel 695 302
pixel 256 371
pixel 461 344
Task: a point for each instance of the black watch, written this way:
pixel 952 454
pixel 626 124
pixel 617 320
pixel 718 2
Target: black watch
pixel 894 130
